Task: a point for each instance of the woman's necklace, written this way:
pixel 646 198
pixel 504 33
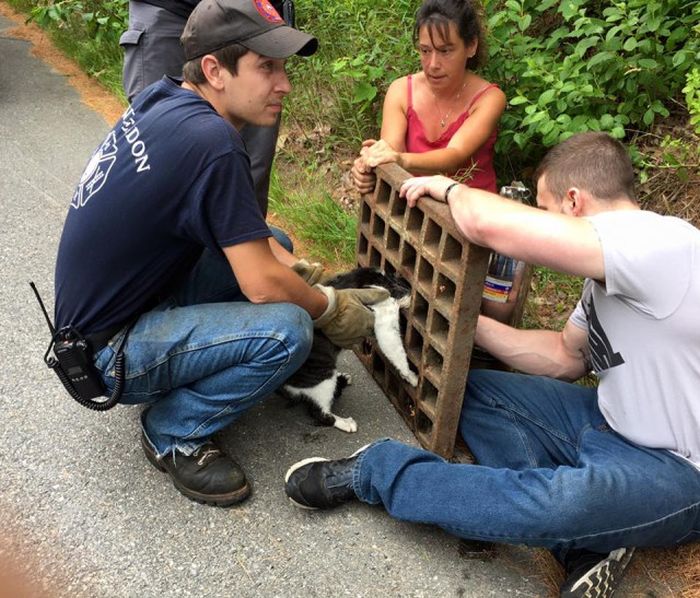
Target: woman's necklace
pixel 445 119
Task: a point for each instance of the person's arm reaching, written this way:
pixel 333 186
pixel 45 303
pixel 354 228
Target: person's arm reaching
pixel 341 314
pixel 541 352
pixel 264 279
pixel 393 136
pixel 564 243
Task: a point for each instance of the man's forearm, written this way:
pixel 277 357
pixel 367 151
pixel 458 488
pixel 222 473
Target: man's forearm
pixel 280 284
pixel 283 256
pixel 540 352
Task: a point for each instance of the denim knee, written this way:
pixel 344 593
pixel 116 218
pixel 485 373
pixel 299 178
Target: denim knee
pixel 296 328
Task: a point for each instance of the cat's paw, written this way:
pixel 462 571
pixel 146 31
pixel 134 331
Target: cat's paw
pixel 346 377
pixel 346 424
pixel 411 378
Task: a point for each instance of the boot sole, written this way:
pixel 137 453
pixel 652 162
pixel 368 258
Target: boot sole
pixel 214 500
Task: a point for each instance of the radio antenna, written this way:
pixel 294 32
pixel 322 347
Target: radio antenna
pixel 41 303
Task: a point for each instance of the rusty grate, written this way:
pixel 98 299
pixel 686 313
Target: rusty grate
pixel 446 274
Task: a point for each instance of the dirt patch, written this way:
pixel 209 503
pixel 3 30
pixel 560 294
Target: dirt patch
pixel 673 186
pixel 91 92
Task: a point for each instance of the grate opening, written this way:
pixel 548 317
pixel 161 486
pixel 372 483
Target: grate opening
pixel 425 275
pixel 434 361
pixel 398 206
pixel 392 242
pixel 431 240
pixel 430 393
pixel 408 258
pixel 414 345
pixel 415 221
pixel 366 214
pixel 420 309
pixel 452 251
pixel 378 366
pixel 378 227
pixel 362 245
pixel 440 328
pixel 375 258
pixel 424 425
pixel 445 293
pixel 383 193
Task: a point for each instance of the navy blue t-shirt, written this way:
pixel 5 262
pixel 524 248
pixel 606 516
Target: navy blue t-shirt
pixel 171 178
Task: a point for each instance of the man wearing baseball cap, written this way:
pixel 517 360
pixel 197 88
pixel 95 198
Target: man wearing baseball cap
pixel 152 49
pixel 166 259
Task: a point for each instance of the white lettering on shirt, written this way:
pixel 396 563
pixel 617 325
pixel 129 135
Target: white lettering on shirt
pixel 132 134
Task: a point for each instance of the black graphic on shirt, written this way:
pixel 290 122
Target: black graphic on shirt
pixel 603 356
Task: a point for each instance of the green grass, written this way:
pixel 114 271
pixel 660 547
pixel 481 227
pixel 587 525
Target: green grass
pixel 551 300
pixel 327 231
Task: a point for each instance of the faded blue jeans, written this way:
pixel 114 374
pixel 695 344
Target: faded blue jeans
pixel 205 355
pixel 551 473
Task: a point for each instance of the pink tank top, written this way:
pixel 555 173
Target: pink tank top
pixel 483 175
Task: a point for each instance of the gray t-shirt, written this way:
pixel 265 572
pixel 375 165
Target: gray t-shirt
pixel 644 329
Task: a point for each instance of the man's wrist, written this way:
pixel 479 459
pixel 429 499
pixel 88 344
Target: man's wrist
pixel 449 190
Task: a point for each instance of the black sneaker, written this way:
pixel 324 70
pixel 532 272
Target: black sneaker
pixel 206 476
pixel 594 575
pixel 318 483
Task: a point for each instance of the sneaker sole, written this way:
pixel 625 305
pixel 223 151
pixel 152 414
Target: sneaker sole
pixel 604 580
pixel 303 462
pixel 214 500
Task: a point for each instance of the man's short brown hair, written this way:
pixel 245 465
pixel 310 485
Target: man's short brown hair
pixel 228 57
pixel 592 161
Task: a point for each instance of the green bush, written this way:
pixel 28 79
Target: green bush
pixel 565 65
pixel 88 31
pixel 102 20
pixel 692 97
pixel 578 65
pixel 364 46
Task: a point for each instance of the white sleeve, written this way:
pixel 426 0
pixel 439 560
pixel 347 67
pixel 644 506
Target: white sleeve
pixel 648 262
pixel 579 317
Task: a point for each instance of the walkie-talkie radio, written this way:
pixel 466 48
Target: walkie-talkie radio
pixel 73 364
pixel 75 359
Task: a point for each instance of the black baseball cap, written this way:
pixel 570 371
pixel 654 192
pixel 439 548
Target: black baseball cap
pixel 254 24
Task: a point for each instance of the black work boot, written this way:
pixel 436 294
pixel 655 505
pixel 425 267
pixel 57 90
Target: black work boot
pixel 206 476
pixel 318 483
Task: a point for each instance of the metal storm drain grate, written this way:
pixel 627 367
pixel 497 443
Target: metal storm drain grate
pixel 446 274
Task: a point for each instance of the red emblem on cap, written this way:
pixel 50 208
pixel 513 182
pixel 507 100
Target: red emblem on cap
pixel 267 11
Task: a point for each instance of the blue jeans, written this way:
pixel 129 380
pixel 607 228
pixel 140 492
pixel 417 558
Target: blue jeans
pixel 551 473
pixel 205 355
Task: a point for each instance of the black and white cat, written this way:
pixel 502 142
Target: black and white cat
pixel 318 382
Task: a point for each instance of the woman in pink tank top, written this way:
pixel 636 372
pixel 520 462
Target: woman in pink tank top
pixel 444 118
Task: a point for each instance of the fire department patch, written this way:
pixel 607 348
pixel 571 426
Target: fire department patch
pixel 267 11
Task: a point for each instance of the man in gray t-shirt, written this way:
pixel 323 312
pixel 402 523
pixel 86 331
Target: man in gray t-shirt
pixel 586 472
pixel 642 337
